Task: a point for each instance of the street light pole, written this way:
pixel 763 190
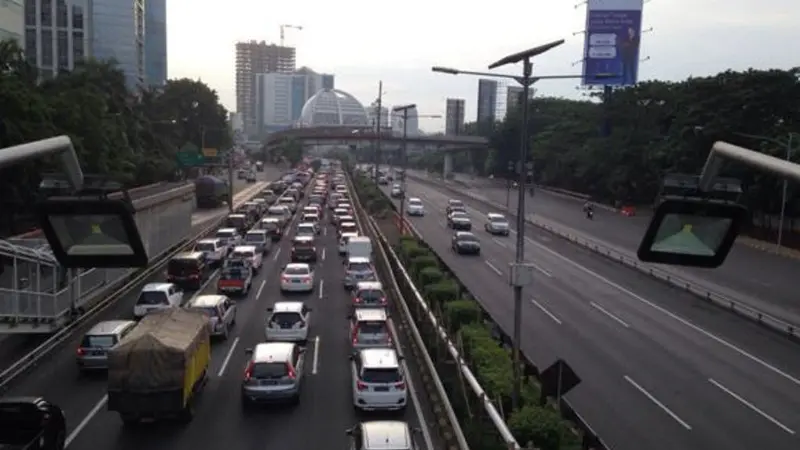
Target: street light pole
pixel 230 180
pixel 378 131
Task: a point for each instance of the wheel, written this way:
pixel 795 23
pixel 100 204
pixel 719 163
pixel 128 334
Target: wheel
pixel 60 440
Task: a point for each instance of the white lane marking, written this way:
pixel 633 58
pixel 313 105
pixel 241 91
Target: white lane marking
pixel 277 253
pixel 751 406
pixel 491 266
pixel 444 225
pixel 321 288
pixel 205 284
pixel 657 402
pixel 86 420
pixel 672 315
pixel 540 269
pixel 501 244
pixel 315 362
pixel 325 231
pixel 260 289
pixel 228 357
pixel 545 310
pixel 323 254
pixel 612 316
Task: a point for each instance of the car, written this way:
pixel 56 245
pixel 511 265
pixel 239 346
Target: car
pixel 464 242
pixel 453 203
pixel 343 219
pixel 369 328
pixel 31 423
pixel 304 248
pixel 188 270
pixel 347 227
pixel 269 195
pixel 250 253
pixel 343 241
pixel 251 177
pixel 496 224
pixel 214 249
pixel 274 372
pixel 378 380
pixel 92 353
pixel 414 207
pixel 272 226
pixel 458 220
pixel 280 212
pixel 288 322
pixel 230 237
pixel 369 294
pixel 383 181
pixel 397 191
pixel 236 277
pixel 240 221
pixel 262 204
pixel 297 277
pixel 312 219
pixel 221 312
pixel 306 229
pixel 338 213
pixel 381 435
pixel 260 239
pixel 156 296
pixel 358 269
pixel 289 202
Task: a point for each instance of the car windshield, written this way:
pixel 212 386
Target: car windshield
pixel 210 311
pixel 269 370
pixel 305 229
pixel 371 295
pixel 182 266
pixel 242 254
pixel 381 376
pixel 286 200
pixel 275 211
pixel 372 327
pixel 359 267
pixel 296 271
pixel 415 203
pixel 234 273
pixel 98 341
pixel 498 219
pixel 204 247
pixel 459 215
pixel 224 234
pixel 152 298
pixel 456 204
pixel 467 238
pixel 286 319
pixel 255 237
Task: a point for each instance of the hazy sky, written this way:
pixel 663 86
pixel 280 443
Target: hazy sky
pixel 362 42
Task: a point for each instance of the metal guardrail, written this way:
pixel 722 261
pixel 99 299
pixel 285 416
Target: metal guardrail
pixel 385 266
pixel 763 318
pixel 32 359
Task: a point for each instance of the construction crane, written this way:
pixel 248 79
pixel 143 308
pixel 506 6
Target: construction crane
pixel 283 31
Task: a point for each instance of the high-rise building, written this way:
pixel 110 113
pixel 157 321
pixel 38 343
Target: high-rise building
pixel 280 97
pixel 487 100
pixel 155 42
pixel 57 34
pixel 411 126
pixel 372 115
pixel 454 116
pixel 514 97
pixel 118 33
pixel 253 58
pixel 12 20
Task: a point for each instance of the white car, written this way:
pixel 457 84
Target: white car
pixel 297 277
pixel 230 236
pixel 157 296
pixel 251 253
pixel 288 322
pixel 496 224
pixel 312 218
pixel 338 213
pixel 214 249
pixel 288 202
pixel 306 229
pixel 378 379
pixel 343 242
pixel 414 207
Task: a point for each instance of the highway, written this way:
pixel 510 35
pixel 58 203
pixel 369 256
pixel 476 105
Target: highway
pixel 319 421
pixel 661 369
pixel 755 277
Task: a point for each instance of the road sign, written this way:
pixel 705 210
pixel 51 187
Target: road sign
pixel 190 159
pixel 210 152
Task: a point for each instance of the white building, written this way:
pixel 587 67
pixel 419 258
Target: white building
pixel 12 20
pixel 57 34
pixel 372 115
pixel 332 107
pixel 280 97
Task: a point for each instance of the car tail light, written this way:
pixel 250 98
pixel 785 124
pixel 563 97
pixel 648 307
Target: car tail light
pixel 401 386
pixel 355 337
pixel 291 372
pixel 383 300
pixel 81 351
pixel 361 386
pixel 286 279
pixel 307 279
pixel 248 372
pixel 356 299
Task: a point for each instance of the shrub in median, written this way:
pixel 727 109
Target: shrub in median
pixel 460 313
pixel 539 426
pixel 440 293
pixel 420 262
pixel 430 275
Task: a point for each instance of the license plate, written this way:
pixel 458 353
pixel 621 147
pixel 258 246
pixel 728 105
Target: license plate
pixel 295 281
pixel 98 353
pixel 268 382
pixel 381 389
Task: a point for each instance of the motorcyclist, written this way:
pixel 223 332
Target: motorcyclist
pixel 588 208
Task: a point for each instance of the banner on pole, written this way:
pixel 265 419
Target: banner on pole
pixel 613 35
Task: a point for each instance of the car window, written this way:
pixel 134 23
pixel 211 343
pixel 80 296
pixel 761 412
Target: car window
pixel 359 266
pixel 286 319
pixel 99 341
pixel 460 215
pixel 210 311
pixel 269 370
pixel 151 298
pixel 497 219
pixel 242 254
pixel 372 327
pixel 206 247
pixel 467 238
pixel 182 266
pixel 254 238
pixel 224 234
pixel 296 271
pixel 370 295
pixel 381 376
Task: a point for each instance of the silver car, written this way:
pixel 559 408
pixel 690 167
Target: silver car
pixel 358 269
pixel 274 373
pixel 93 351
pixel 496 224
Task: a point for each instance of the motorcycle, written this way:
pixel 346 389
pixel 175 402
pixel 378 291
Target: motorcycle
pixel 590 214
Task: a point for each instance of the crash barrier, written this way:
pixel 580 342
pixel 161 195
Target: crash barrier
pixel 446 419
pixel 629 260
pixel 83 322
pixel 164 219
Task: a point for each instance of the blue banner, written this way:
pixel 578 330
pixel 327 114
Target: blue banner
pixel 613 36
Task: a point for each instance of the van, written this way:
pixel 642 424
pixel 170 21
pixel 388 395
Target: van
pixel 92 353
pixel 221 312
pixel 359 247
pixel 188 270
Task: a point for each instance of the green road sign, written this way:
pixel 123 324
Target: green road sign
pixel 190 156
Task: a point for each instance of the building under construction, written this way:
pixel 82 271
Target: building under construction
pixel 252 58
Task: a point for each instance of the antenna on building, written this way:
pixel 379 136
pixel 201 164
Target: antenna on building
pixel 283 31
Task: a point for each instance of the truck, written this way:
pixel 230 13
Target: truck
pixel 211 192
pixel 158 370
pixel 259 166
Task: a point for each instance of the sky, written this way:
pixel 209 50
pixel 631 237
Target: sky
pixel 363 43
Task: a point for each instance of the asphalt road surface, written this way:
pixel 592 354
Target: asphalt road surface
pixel 757 278
pixel 319 421
pixel 661 369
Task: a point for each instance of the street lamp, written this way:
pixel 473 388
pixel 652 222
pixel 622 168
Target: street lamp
pixel 520 272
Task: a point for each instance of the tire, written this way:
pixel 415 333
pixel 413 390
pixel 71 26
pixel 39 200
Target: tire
pixel 60 440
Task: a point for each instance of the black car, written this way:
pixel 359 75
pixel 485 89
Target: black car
pixel 31 423
pixel 188 270
pixel 304 249
pixel 465 242
pixel 459 221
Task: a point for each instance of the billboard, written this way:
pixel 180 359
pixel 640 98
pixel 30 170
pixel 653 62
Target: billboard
pixel 613 36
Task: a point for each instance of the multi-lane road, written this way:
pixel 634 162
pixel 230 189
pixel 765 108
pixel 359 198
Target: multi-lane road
pixel 661 369
pixel 319 421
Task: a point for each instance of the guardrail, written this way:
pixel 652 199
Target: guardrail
pixel 451 428
pixel 763 318
pixel 34 357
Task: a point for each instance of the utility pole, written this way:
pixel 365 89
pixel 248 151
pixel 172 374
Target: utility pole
pixel 230 180
pixel 378 131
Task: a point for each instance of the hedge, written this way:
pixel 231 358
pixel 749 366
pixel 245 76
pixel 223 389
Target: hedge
pixel 491 363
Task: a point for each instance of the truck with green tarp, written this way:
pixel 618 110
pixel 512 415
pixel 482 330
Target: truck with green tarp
pixel 159 368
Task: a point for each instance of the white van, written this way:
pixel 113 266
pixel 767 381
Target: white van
pixel 359 247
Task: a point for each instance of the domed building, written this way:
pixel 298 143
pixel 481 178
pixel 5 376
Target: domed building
pixel 332 107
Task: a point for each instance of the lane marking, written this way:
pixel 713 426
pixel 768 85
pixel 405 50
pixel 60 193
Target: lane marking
pixel 540 269
pixel 321 288
pixel 260 289
pixel 325 231
pixel 444 225
pixel 277 253
pixel 228 357
pixel 612 316
pixel 501 244
pixel 323 254
pixel 491 266
pixel 315 362
pixel 546 312
pixel 672 315
pixel 657 403
pixel 751 406
pixel 86 420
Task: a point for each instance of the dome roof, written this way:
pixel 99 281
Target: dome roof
pixel 331 107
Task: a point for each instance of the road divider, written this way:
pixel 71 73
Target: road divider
pixel 779 325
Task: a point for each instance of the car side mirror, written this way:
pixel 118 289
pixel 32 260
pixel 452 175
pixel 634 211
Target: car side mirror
pixel 348 432
pixel 309 309
pixel 248 351
pixel 349 317
pixel 270 309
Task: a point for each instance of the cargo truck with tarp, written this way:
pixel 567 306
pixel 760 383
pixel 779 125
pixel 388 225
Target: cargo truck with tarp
pixel 210 191
pixel 159 368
